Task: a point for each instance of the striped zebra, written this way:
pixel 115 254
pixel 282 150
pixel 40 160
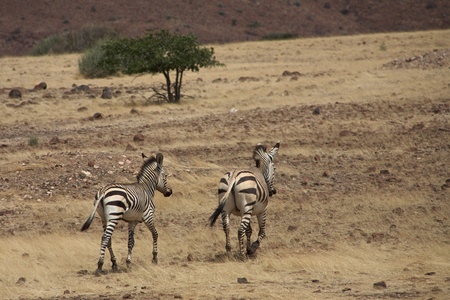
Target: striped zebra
pixel 131 202
pixel 245 193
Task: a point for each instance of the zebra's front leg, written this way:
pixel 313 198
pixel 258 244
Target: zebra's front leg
pixel 262 232
pixel 226 229
pixel 245 223
pixel 149 222
pixel 131 227
pixel 106 242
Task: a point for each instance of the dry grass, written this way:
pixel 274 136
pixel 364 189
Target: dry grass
pixel 360 198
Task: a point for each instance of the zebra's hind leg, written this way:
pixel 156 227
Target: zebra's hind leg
pixel 262 232
pixel 248 233
pixel 226 229
pixel 115 268
pixel 131 227
pixel 149 222
pixel 106 242
pixel 245 223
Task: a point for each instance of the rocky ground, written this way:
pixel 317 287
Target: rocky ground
pixel 362 175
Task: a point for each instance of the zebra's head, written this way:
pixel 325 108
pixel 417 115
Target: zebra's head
pixel 162 185
pixel 264 162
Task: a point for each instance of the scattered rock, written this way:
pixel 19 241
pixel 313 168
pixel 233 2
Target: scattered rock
pixel 292 228
pixel 398 211
pixel 48 96
pixel 242 280
pixel 21 281
pixel 134 111
pixel 289 73
pixel 190 257
pixel 384 172
pixel 82 88
pixel 380 285
pixel 98 116
pixel 247 78
pixel 66 292
pixel 126 296
pixel 346 290
pixel 138 138
pixel 15 93
pixel 54 140
pixel 41 86
pixel 83 108
pixel 107 93
pixel 131 148
pixel 430 273
pixel 316 111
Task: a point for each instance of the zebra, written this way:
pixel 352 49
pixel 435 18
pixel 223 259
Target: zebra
pixel 131 202
pixel 245 192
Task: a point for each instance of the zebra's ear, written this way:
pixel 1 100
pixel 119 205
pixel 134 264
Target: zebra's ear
pixel 159 159
pixel 275 149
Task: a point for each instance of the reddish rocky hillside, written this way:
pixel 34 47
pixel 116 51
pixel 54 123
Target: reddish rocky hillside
pixel 23 22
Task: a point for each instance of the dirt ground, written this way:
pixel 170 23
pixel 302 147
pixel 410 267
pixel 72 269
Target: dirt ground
pixel 363 178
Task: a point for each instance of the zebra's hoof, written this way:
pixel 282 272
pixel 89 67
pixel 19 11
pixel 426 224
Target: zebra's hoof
pixel 155 261
pixel 252 249
pixel 115 269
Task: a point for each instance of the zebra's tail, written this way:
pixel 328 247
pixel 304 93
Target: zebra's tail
pixel 91 217
pixel 222 202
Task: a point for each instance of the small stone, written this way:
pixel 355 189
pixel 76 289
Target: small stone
pixel 316 111
pixel 54 140
pixel 107 93
pixel 98 116
pixel 380 285
pixel 21 281
pixel 15 93
pixel 131 148
pixel 242 280
pixel 138 138
pixel 41 86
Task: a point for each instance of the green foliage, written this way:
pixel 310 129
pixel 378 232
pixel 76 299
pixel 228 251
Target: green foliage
pixel 254 25
pixel 279 36
pixel 89 62
pixel 158 52
pixel 73 41
pixel 33 141
pixel 383 47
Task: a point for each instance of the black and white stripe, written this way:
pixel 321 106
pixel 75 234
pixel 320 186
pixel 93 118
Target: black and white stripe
pixel 131 202
pixel 245 193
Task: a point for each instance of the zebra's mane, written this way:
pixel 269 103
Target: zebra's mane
pixel 145 166
pixel 258 153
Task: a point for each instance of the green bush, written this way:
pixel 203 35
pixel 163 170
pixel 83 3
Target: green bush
pixel 74 41
pixel 279 36
pixel 33 141
pixel 89 63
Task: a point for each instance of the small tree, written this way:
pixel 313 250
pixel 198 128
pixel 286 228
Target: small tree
pixel 161 52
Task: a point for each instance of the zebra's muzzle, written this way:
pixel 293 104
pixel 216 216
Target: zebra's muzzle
pixel 272 192
pixel 168 193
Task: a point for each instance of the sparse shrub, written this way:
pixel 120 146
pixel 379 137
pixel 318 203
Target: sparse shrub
pixel 89 63
pixel 279 36
pixel 345 11
pixel 33 141
pixel 222 13
pixel 254 25
pixel 383 47
pixel 296 3
pixel 74 41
